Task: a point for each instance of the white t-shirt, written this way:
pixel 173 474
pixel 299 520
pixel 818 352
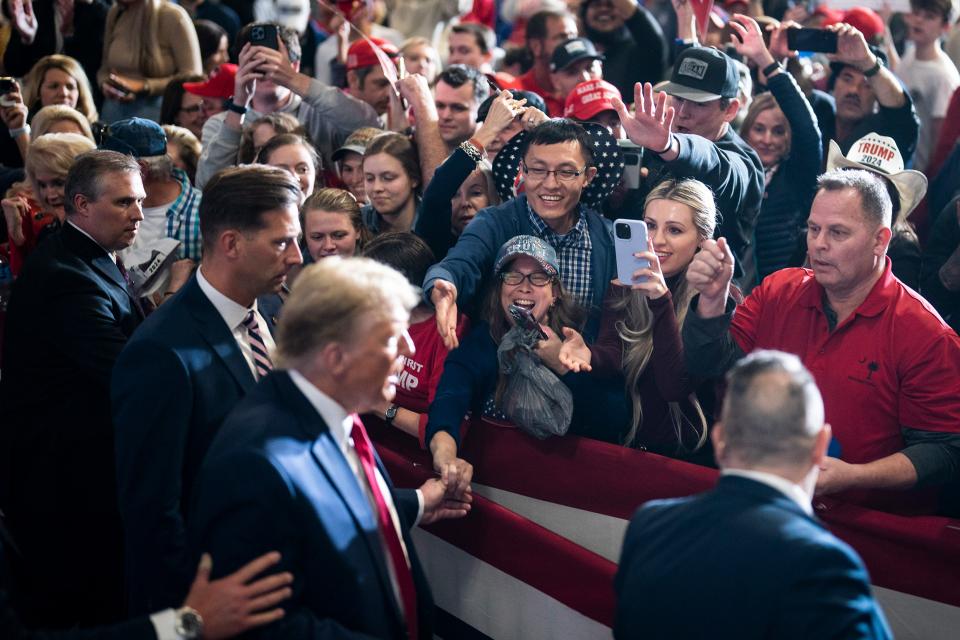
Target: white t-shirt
pixel 931 84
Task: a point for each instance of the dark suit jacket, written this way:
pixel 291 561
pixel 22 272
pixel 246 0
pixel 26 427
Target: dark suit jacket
pixel 741 561
pixel 175 382
pixel 11 627
pixel 69 316
pixel 275 479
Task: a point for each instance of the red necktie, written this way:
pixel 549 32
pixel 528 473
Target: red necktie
pixel 408 593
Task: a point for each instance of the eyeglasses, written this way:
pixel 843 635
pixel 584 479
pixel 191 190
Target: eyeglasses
pixel 563 175
pixel 537 278
pixel 193 109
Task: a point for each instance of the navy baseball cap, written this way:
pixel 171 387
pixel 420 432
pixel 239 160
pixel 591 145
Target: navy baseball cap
pixel 135 137
pixel 702 74
pixel 573 50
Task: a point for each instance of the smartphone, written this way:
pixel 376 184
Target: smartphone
pixel 524 318
pixel 630 237
pixel 816 40
pixel 119 87
pixel 632 161
pixel 7 84
pixel 265 35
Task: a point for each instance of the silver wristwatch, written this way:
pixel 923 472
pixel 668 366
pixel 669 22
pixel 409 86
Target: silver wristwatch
pixel 188 624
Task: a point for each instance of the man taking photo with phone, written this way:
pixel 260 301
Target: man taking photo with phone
pixel 269 81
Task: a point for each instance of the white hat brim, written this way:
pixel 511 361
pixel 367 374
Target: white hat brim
pixel 910 184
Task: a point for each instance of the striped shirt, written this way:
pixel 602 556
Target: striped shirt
pixel 573 255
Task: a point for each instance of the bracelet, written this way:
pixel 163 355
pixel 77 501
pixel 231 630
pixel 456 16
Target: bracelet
pixel 472 151
pixel 16 133
pixel 772 68
pixel 668 147
pixel 480 147
pixel 875 69
pixel 230 105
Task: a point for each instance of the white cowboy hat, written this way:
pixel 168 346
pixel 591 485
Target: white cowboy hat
pixel 880 155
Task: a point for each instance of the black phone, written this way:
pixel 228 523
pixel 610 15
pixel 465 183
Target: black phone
pixel 524 318
pixel 7 84
pixel 265 35
pixel 816 40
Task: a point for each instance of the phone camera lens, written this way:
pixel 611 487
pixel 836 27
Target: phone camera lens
pixel 623 231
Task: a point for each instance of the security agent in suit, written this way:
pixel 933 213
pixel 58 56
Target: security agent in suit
pixel 70 314
pixel 748 559
pixel 187 367
pixel 292 470
pixel 218 609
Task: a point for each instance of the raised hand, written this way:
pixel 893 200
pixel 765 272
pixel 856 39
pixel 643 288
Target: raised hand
pixel 248 72
pixel 23 20
pixel 650 127
pixel 750 43
pixel 15 209
pixel 444 299
pixel 549 351
pixel 574 353
pixel 778 39
pixel 12 110
pixel 238 602
pixel 852 48
pixel 710 273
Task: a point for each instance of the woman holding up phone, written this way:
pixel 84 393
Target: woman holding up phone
pixel 639 339
pixel 145 44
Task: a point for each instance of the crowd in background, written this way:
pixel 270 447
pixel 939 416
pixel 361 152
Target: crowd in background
pixel 170 171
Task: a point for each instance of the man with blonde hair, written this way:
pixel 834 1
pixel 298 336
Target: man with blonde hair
pixel 293 469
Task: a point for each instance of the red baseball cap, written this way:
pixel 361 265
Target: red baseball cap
pixel 590 98
pixel 830 16
pixel 866 21
pixel 360 54
pixel 220 84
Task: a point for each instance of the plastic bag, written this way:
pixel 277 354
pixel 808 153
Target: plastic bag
pixel 534 398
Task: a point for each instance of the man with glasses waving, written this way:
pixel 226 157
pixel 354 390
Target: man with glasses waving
pixel 557 165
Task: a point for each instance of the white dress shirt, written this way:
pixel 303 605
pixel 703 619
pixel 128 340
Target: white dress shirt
pixel 792 490
pixel 233 315
pixel 340 424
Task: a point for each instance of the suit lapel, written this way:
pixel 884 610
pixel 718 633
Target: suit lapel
pixel 215 332
pixel 335 467
pixel 99 260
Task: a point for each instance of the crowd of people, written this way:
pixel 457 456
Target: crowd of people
pixel 231 229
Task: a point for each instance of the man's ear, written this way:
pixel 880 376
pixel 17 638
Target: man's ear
pixel 81 205
pixel 536 47
pixel 821 445
pixel 732 110
pixel 590 174
pixel 881 241
pixel 353 82
pixel 334 359
pixel 719 443
pixel 229 243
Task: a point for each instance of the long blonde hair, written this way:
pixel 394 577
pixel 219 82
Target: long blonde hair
pixel 145 16
pixel 636 327
pixel 34 80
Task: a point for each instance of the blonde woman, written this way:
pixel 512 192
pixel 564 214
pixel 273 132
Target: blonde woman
pixel 59 118
pixel 59 79
pixel 35 208
pixel 184 149
pixel 640 326
pixel 146 43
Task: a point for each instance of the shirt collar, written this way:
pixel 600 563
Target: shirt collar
pixel 232 313
pixel 112 255
pixel 574 234
pixel 793 491
pixel 883 292
pixel 338 420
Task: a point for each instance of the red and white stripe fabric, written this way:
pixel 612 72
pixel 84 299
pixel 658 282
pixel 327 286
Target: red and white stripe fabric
pixel 537 555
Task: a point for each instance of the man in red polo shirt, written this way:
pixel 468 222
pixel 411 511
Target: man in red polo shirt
pixel 887 365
